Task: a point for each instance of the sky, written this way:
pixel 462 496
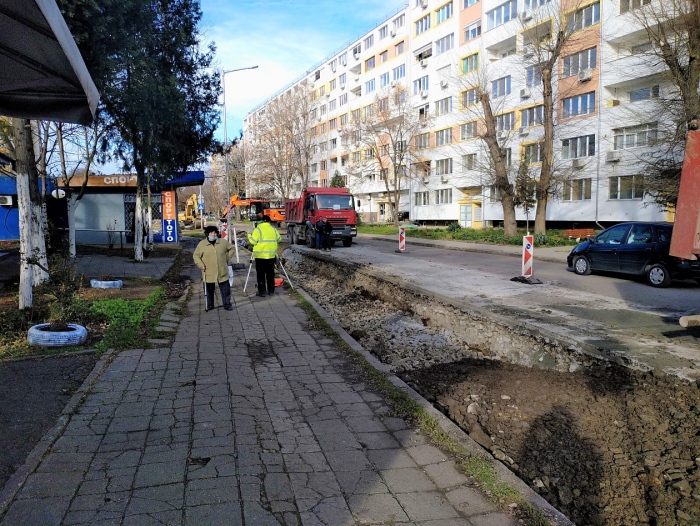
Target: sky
pixel 284 38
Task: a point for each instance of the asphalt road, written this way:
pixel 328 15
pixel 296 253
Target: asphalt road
pixel 682 297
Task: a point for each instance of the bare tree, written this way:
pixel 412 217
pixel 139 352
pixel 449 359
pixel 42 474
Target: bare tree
pixel 383 135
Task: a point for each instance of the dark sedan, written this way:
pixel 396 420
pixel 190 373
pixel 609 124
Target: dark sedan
pixel 638 248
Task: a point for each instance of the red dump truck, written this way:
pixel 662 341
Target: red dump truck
pixel 337 205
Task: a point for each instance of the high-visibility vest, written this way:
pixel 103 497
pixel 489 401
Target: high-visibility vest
pixel 264 240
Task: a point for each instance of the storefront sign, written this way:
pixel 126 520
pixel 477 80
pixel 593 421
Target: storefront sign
pixel 169 217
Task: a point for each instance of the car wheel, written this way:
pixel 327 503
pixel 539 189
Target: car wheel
pixel 658 276
pixel 582 266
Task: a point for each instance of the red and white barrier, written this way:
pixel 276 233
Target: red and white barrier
pixel 528 245
pixel 402 238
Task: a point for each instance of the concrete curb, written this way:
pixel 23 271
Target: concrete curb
pixel 528 494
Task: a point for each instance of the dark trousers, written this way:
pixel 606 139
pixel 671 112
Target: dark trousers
pixel 224 288
pixel 319 240
pixel 265 270
pixel 326 241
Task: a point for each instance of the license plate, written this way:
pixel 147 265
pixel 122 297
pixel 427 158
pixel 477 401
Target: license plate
pixel 337 232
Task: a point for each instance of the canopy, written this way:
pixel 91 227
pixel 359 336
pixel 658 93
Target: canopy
pixel 193 178
pixel 42 75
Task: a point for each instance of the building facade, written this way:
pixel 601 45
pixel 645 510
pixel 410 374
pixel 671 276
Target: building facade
pixel 608 100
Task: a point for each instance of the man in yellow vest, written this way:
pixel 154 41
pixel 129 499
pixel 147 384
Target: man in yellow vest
pixel 264 239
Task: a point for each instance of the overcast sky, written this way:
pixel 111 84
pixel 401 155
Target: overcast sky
pixel 284 38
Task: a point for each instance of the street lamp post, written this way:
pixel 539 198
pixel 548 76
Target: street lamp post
pixel 228 186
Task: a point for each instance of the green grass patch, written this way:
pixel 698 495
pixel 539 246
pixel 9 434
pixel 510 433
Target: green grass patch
pixel 454 232
pixel 479 468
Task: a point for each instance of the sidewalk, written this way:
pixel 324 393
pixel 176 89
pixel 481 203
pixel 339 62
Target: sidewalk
pixel 249 417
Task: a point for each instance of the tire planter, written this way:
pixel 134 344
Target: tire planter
pixel 99 284
pixel 41 335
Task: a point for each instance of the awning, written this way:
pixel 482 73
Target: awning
pixel 42 75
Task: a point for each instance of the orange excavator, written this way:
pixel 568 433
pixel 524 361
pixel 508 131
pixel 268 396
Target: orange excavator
pixel 254 208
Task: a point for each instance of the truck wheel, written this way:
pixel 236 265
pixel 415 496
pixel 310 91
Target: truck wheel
pixel 347 241
pixel 310 239
pixel 290 236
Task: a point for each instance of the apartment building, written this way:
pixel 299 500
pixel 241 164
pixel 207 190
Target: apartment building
pixel 607 115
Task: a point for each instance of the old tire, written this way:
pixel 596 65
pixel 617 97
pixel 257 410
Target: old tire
pixel 347 241
pixel 106 284
pixel 658 276
pixel 41 336
pixel 582 266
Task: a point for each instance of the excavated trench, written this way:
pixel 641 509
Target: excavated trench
pixel 605 444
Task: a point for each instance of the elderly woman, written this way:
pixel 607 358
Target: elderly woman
pixel 212 256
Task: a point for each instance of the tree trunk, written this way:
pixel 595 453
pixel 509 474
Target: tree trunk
pixel 40 223
pixel 138 224
pixel 542 187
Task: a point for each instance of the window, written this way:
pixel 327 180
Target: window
pixel 421 198
pixel 532 153
pixel 357 49
pixel 443 106
pixel 467 3
pixel 399 72
pixel 628 5
pixel 322 128
pixel 399 21
pixel 626 187
pixel 532 4
pixel 500 87
pixel 369 86
pixel 383 79
pixel 369 64
pixel 399 48
pixel 443 137
pixel 383 104
pixel 369 41
pixel 443 197
pixel 383 174
pixel 469 97
pixel 444 44
pixel 384 150
pixel 635 136
pixel 640 49
pixel 321 91
pixel 342 78
pixel 322 146
pixel 585 17
pixel 533 75
pixel 443 166
pixel 356 115
pixel 324 165
pixel 423 111
pixel 443 13
pixel 343 59
pixel 507 157
pixel 317 75
pixel 343 119
pixel 505 121
pixel 420 85
pixel 579 105
pixel 576 147
pixel 577 190
pixel 332 105
pixel 369 111
pixel 333 84
pixel 369 153
pixel 469 161
pixel 314 167
pixel 532 116
pixel 472 31
pixel 383 57
pixel 651 92
pixel 468 130
pixel 333 123
pixel 356 157
pixel 579 61
pixel 343 99
pixel 383 31
pixel 502 14
pixel 334 143
pixel 333 64
pixel 323 109
pixel 422 141
pixel 470 63
pixel 423 24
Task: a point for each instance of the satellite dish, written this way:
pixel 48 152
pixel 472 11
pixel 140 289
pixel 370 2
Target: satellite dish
pixel 58 193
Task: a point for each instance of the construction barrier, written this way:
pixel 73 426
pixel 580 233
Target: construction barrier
pixel 527 256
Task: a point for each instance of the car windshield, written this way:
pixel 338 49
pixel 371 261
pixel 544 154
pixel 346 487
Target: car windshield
pixel 335 202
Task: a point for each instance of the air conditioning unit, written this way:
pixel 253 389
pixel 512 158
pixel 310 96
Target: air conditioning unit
pixel 502 134
pixel 525 16
pixel 424 63
pixel 328 95
pixel 6 200
pixel 356 78
pixel 523 130
pixel 525 93
pixel 443 83
pixel 528 50
pixel 424 3
pixel 356 56
pixel 392 84
pixel 424 94
pixel 444 180
pixel 578 163
pixel 393 32
pixel 613 157
pixel 342 86
pixel 585 75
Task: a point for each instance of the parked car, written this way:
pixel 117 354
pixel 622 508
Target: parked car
pixel 638 248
